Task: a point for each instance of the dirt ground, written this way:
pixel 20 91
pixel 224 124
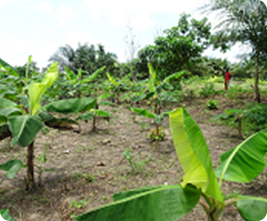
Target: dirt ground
pixel 90 166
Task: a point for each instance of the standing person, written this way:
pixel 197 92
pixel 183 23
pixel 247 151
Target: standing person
pixel 227 78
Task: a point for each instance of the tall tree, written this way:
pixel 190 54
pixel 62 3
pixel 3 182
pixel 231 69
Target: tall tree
pixel 243 21
pixel 178 48
pixel 86 57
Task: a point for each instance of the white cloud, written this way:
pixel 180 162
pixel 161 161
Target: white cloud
pixel 139 11
pixel 13 51
pixel 3 2
pixel 65 14
pixel 265 2
pixel 45 7
pixel 82 37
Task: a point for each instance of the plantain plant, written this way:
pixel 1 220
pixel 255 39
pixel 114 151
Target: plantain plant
pixel 158 92
pixel 200 185
pixel 117 87
pixel 24 123
pixel 94 112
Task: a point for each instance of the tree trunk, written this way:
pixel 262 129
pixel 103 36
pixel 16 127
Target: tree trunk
pixel 256 83
pixel 240 127
pixel 30 167
pixel 94 123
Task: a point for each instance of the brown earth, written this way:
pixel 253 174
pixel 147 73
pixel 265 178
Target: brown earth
pixel 91 166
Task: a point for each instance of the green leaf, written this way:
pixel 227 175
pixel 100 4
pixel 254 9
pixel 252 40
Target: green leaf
pixel 9 68
pixel 12 166
pixel 36 90
pixel 174 76
pixel 153 74
pixel 24 129
pixel 10 111
pixel 130 193
pixel 4 213
pixel 86 116
pixel 106 103
pixel 51 75
pixel 193 154
pixel 252 208
pixel 70 74
pixel 102 113
pixel 93 76
pixel 73 105
pixel 63 124
pixel 246 161
pixel 143 112
pixel 165 203
pixel 112 79
pixel 6 103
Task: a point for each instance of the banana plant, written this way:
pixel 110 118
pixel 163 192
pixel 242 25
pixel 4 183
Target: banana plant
pixel 239 115
pixel 200 184
pixel 23 124
pixel 80 83
pixel 159 92
pixel 117 87
pixel 94 112
pixel 158 118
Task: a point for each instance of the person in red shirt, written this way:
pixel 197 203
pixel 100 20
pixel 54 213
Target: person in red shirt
pixel 227 78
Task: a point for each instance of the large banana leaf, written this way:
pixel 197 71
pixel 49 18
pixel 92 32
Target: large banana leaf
pixel 70 74
pixel 36 90
pixel 9 111
pixel 163 203
pixel 93 76
pixel 112 79
pixel 143 112
pixel 252 208
pixel 193 154
pixel 59 123
pixel 73 105
pixel 12 166
pixel 24 129
pixel 9 68
pixel 6 103
pixel 51 75
pixel 174 76
pixel 4 213
pixel 102 113
pixel 246 161
pixel 153 74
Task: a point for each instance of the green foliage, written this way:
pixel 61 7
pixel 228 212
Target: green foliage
pixel 240 164
pixel 79 204
pixel 137 166
pixel 5 215
pixel 12 167
pixel 153 134
pixel 178 49
pixel 213 104
pixel 207 90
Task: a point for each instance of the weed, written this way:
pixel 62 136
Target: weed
pixel 79 204
pixel 207 90
pixel 212 104
pixel 137 166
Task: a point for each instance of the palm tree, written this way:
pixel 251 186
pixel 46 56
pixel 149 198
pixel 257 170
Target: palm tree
pixel 243 21
pixel 65 56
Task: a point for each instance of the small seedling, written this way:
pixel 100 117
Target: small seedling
pixel 79 204
pixel 137 166
pixel 213 104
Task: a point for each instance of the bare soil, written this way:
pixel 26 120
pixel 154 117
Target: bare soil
pixel 91 165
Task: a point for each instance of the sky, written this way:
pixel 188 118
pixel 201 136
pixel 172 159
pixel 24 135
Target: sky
pixel 40 27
